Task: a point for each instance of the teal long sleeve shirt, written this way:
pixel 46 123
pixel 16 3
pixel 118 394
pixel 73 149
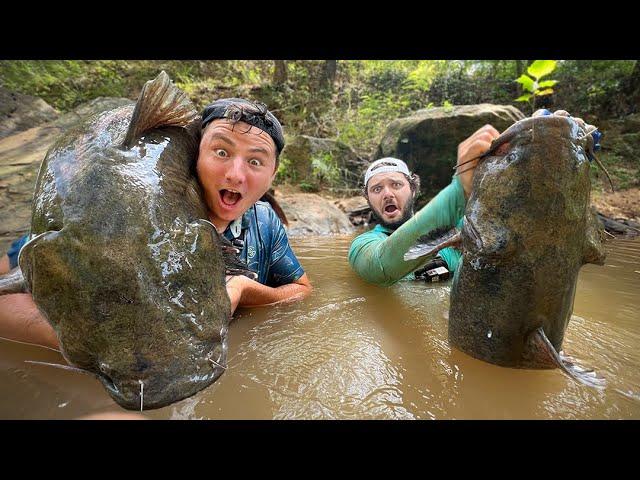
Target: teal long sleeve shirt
pixel 378 255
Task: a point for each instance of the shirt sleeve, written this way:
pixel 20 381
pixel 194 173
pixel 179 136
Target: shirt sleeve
pixel 381 260
pixel 284 267
pixel 14 250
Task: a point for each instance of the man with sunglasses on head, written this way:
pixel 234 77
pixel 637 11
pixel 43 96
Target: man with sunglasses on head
pixel 237 161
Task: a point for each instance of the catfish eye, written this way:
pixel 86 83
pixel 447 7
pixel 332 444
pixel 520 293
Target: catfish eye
pixel 512 157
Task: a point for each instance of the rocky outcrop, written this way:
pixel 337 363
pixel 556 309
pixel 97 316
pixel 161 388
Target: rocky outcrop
pixel 427 140
pixel 357 210
pixel 20 158
pixel 20 112
pixel 310 214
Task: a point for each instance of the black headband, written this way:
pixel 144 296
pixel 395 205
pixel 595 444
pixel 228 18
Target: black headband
pixel 241 110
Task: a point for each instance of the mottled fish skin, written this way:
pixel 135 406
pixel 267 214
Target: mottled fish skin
pixel 528 230
pixel 124 268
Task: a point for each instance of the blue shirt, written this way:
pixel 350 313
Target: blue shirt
pixel 266 247
pixel 14 250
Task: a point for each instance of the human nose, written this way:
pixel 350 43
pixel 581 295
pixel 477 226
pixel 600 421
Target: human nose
pixel 235 173
pixel 387 193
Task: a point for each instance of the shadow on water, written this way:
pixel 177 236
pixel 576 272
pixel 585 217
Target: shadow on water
pixel 355 351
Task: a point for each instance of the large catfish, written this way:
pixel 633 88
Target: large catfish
pixel 121 261
pixel 527 231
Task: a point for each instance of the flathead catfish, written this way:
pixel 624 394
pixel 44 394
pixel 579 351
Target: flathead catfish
pixel 121 261
pixel 527 231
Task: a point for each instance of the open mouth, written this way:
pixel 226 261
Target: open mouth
pixel 230 197
pixel 390 209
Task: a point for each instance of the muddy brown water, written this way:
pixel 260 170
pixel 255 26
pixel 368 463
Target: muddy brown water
pixel 356 351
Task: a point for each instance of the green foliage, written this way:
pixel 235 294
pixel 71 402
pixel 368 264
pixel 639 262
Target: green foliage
pixel 533 86
pixel 63 84
pixel 325 169
pixel 364 126
pixel 366 97
pixel 308 187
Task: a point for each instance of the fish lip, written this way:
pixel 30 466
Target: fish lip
pixel 162 396
pixel 473 233
pixel 108 384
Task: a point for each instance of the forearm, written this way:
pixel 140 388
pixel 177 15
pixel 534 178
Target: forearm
pixel 256 294
pixel 21 321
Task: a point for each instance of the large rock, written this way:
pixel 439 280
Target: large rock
pixel 20 112
pixel 428 139
pixel 301 152
pixel 310 214
pixel 20 158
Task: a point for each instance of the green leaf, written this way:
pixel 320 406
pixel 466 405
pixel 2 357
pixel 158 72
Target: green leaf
pixel 540 68
pixel 547 91
pixel 547 83
pixel 524 98
pixel 527 82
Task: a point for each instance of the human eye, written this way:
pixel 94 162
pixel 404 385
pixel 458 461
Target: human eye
pixel 398 184
pixel 255 162
pixel 221 152
pixel 376 189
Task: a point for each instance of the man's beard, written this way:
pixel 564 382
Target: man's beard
pixel 406 215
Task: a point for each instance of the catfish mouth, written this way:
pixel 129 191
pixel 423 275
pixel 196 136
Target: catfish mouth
pixel 229 197
pixel 150 393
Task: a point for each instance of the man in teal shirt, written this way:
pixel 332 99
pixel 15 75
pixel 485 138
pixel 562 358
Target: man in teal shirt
pixel 390 188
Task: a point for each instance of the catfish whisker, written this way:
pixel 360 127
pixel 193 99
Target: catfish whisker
pixel 216 363
pixel 63 367
pixel 141 394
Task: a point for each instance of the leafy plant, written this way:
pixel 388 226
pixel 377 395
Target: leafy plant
pixel 534 87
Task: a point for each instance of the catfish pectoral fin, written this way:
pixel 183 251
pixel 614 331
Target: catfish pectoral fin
pixel 540 353
pixel 13 282
pixel 429 244
pixel 233 264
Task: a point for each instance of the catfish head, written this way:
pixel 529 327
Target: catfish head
pixel 121 262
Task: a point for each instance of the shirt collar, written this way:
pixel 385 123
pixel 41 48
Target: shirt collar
pixel 239 224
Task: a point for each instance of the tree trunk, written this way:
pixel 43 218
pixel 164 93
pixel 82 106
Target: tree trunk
pixel 519 68
pixel 631 91
pixel 330 69
pixel 632 82
pixel 280 73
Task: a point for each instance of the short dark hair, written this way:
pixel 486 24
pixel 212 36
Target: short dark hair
pixel 255 114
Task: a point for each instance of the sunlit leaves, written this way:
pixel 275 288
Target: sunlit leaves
pixel 541 68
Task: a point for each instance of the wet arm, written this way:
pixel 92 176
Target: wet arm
pixel 245 292
pixel 4 264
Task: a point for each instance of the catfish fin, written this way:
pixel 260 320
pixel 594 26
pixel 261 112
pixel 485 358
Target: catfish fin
pixel 539 352
pixel 160 104
pixel 13 282
pixel 593 249
pixel 233 264
pixel 434 241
